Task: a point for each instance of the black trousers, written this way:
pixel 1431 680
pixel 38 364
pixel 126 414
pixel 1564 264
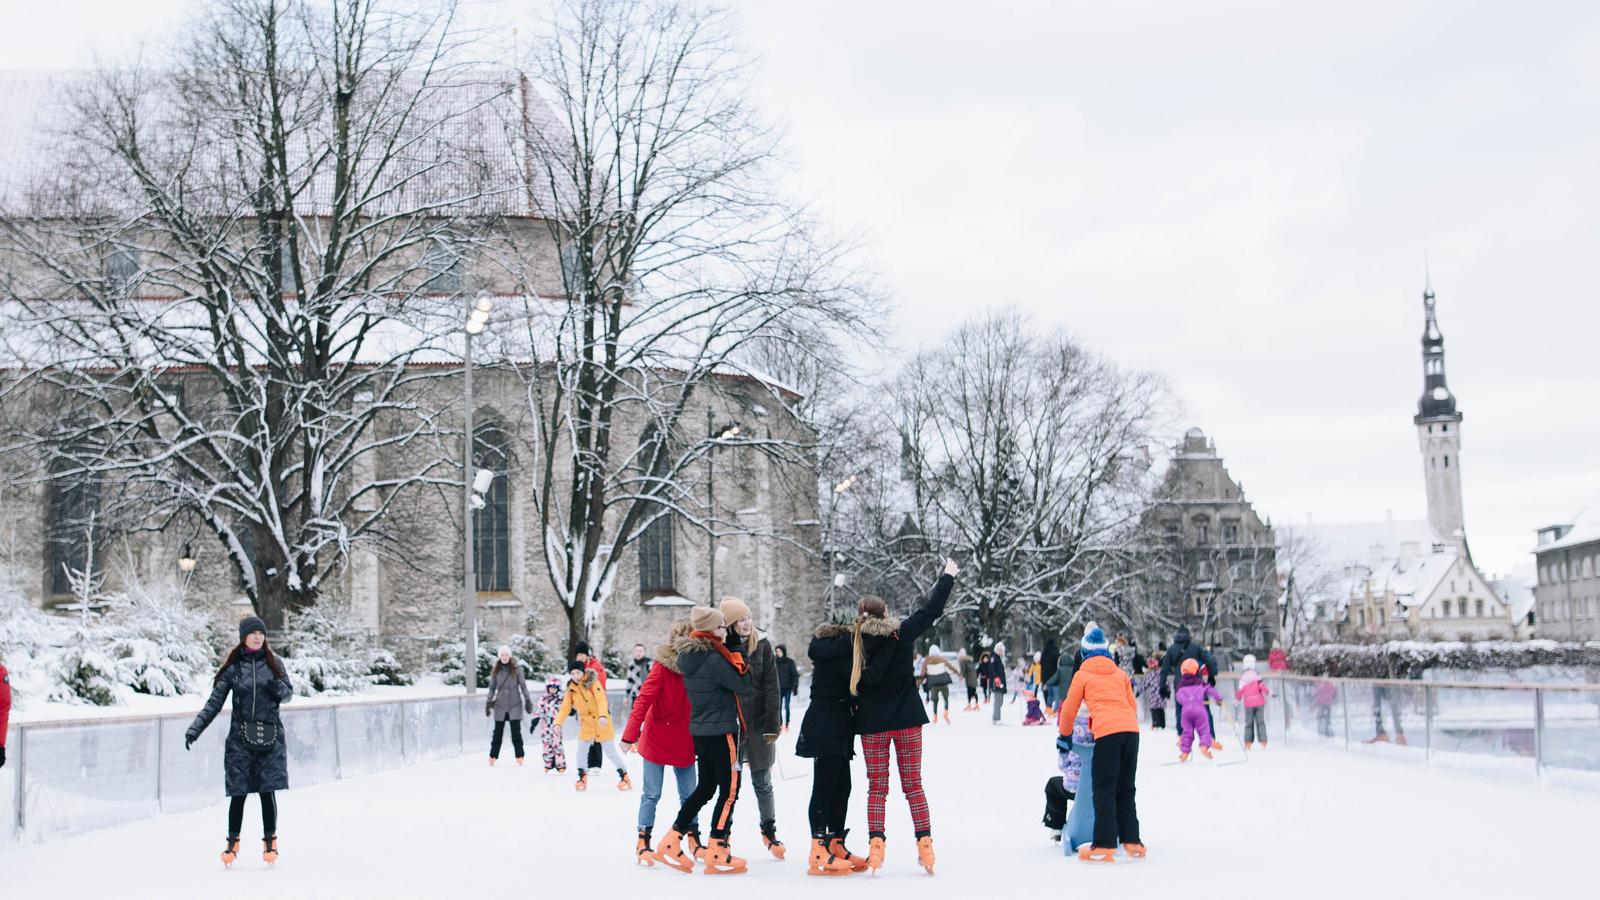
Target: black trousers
pixel 269 814
pixel 717 764
pixel 1116 763
pixel 1158 717
pixel 594 756
pixel 1056 796
pixel 830 795
pixel 499 731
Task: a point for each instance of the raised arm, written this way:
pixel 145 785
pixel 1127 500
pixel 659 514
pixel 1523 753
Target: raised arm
pixel 932 607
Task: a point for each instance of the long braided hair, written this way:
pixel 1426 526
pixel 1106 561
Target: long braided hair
pixel 871 607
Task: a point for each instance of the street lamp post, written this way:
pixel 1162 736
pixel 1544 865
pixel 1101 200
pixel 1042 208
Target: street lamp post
pixel 833 554
pixel 477 319
pixel 186 564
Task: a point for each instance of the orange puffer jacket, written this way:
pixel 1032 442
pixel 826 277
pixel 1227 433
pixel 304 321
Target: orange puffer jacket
pixel 1109 692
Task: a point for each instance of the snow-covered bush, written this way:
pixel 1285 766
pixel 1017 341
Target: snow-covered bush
pixel 325 651
pixel 446 659
pixel 157 643
pixel 384 668
pixel 529 650
pixel 1409 659
pixel 87 675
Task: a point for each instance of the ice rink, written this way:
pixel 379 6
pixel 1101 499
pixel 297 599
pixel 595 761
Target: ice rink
pixel 1288 824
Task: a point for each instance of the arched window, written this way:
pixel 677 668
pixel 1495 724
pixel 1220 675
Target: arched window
pixel 73 530
pixel 655 556
pixel 491 525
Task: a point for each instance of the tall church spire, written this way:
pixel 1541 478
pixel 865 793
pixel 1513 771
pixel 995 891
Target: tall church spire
pixel 1438 429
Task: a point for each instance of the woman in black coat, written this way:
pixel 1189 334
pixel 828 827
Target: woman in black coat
pixel 890 713
pixel 255 759
pixel 827 738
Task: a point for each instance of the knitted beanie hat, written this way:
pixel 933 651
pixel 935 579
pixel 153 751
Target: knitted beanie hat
pixel 733 609
pixel 250 624
pixel 1093 639
pixel 704 618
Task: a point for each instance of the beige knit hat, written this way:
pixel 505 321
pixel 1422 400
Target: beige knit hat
pixel 733 609
pixel 704 618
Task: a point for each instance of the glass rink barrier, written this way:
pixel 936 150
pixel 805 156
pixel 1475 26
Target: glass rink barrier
pixel 1523 730
pixel 70 776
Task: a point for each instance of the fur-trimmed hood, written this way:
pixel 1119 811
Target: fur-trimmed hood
pixel 667 655
pixel 832 630
pixel 691 644
pixel 888 626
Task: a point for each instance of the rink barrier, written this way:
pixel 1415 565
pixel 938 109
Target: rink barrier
pixel 1517 729
pixel 68 776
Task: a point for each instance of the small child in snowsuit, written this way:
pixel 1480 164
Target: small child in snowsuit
pixel 1253 691
pixel 1192 695
pixel 1071 785
pixel 586 699
pixel 1150 689
pixel 555 753
pixel 1034 715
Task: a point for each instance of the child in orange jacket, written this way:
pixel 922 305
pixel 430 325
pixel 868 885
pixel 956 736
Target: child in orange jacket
pixel 1114 721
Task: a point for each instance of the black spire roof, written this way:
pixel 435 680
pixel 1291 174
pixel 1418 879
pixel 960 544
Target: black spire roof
pixel 1437 403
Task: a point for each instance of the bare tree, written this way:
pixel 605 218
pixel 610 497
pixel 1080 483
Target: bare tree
pixel 226 284
pixel 1308 579
pixel 680 263
pixel 1023 457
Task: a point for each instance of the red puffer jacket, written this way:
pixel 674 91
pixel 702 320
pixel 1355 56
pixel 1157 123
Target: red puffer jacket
pixel 661 713
pixel 5 703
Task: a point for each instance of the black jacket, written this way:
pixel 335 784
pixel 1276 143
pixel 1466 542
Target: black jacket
pixel 763 713
pixel 256 697
pixel 887 698
pixel 788 674
pixel 828 728
pixel 994 673
pixel 1183 648
pixel 717 692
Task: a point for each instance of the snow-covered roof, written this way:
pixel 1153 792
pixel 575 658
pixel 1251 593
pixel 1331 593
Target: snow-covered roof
pixel 1516 590
pixel 1416 581
pixel 1585 530
pixel 1341 544
pixel 469 154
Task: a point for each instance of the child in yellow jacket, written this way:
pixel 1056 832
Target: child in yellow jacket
pixel 587 698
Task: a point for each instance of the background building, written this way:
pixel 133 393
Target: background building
pixel 1567 593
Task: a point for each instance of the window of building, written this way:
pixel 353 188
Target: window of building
pixel 1202 533
pixel 655 556
pixel 73 531
pixel 1202 569
pixel 445 266
pixel 1447 460
pixel 121 269
pixel 571 269
pixel 491 525
pixel 1480 608
pixel 1230 532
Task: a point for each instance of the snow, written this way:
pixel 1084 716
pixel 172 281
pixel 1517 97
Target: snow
pixel 139 705
pixel 1302 823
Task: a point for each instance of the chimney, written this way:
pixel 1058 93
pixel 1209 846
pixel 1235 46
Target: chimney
pixel 1408 554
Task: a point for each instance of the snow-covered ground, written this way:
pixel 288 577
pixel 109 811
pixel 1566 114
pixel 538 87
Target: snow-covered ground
pixel 1290 823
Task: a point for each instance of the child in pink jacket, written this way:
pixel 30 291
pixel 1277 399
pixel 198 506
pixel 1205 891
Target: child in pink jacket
pixel 1253 691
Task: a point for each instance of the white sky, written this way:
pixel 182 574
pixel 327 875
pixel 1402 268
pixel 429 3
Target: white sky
pixel 1235 194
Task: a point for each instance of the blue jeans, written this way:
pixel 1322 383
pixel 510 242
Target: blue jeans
pixel 654 775
pixel 787 696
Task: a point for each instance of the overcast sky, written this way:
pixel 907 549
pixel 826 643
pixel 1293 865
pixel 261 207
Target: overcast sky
pixel 1235 194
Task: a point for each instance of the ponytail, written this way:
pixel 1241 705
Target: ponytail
pixel 870 607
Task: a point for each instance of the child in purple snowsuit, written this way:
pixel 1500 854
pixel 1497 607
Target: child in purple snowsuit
pixel 1192 694
pixel 1150 689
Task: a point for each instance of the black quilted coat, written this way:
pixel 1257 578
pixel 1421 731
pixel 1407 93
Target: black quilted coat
pixel 256 693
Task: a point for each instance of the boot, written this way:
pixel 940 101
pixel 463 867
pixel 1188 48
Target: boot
pixel 1089 853
pixel 1183 757
pixel 231 851
pixel 1206 752
pixel 1216 744
pixel 1263 745
pixel 269 849
pixel 583 780
pixel 641 848
pixel 823 861
pixel 1247 745
pixel 670 852
pixel 492 760
pixel 697 847
pixel 837 848
pixel 519 760
pixel 769 837
pixel 875 853
pixel 925 852
pixel 1379 738
pixel 1134 851
pixel 719 859
pixel 623 782
pixel 1400 739
pixel 947 716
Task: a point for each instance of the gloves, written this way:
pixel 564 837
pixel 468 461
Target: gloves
pixel 2 757
pixel 527 709
pixel 1063 744
pixel 488 710
pixel 188 741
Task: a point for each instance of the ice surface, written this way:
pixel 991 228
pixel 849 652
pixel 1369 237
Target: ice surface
pixel 1296 822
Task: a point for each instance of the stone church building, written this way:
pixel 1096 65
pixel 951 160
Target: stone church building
pixel 409 593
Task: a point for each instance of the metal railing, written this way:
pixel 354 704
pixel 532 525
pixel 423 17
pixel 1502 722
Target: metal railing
pixel 1525 729
pixel 70 776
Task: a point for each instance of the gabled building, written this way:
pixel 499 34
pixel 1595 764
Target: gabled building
pixel 1567 593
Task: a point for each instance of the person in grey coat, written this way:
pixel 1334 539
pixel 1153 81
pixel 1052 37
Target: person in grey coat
pixel 255 759
pixel 763 713
pixel 508 700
